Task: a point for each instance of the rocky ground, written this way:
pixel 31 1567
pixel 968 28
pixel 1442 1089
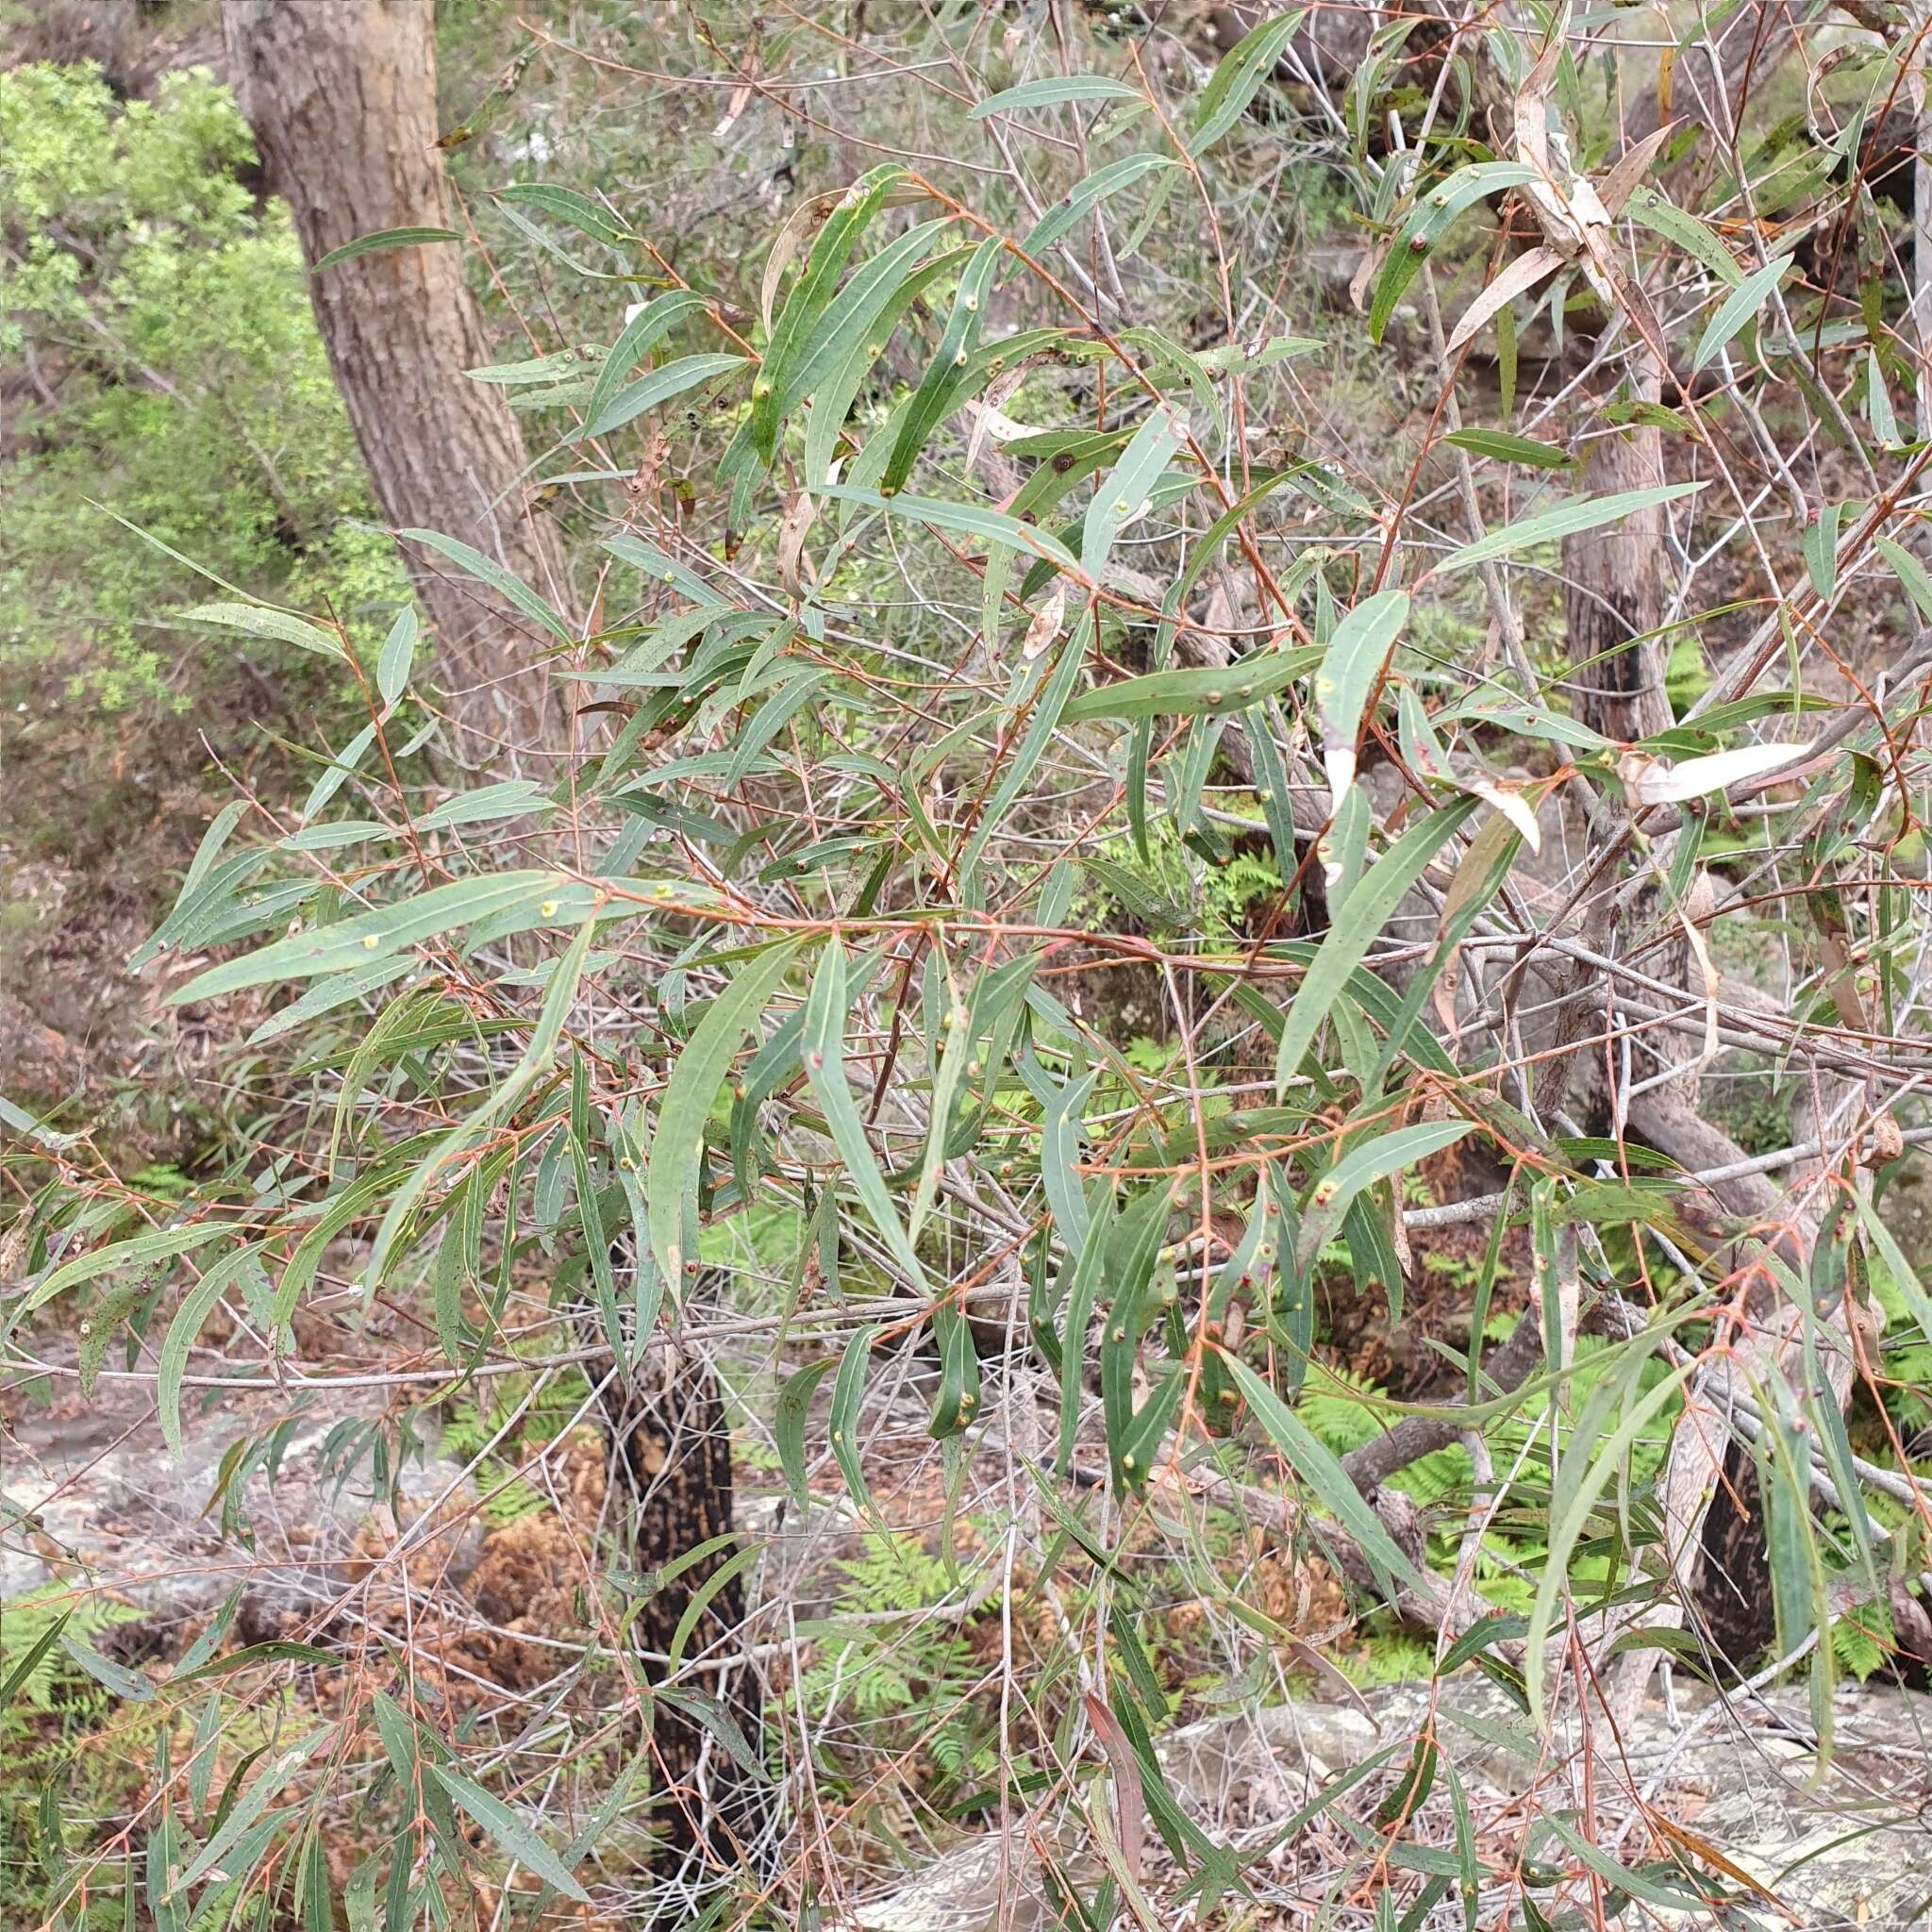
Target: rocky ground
pixel 1732 1799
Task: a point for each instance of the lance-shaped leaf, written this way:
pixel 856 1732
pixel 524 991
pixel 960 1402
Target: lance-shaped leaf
pixel 381 239
pixel 1315 1464
pixel 257 621
pixel 1697 777
pixel 196 1305
pixel 640 333
pixel 1122 495
pixel 1738 308
pixel 1211 691
pixel 1355 658
pixel 1360 1167
pixel 659 385
pixel 511 1832
pixel 1427 223
pixel 1567 520
pixel 1369 909
pixel 1085 195
pixel 358 942
pixel 823 1044
pixel 1237 78
pixel 1055 92
pixel 677 1145
pixel 488 571
pixel 1582 1477
pixel 968 520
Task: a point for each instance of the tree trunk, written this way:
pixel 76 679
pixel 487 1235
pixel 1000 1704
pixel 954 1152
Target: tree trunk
pixel 1714 1516
pixel 342 101
pixel 1613 584
pixel 678 1453
pixel 1713 80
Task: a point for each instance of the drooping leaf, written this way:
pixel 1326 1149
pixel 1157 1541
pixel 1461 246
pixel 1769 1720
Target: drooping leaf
pixel 1211 691
pixel 1738 308
pixel 1587 513
pixel 1503 448
pixel 822 1046
pixel 1369 909
pixel 1317 1466
pixel 382 239
pixel 486 570
pixel 510 1832
pixel 659 385
pixel 258 620
pixel 678 1143
pixel 1366 1162
pixel 1238 77
pixel 1355 656
pixel 1054 92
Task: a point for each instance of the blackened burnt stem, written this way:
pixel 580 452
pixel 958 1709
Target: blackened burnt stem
pixel 673 1443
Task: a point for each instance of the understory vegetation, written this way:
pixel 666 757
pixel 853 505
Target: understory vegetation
pixel 1211 995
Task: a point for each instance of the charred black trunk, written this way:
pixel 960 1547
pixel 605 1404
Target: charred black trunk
pixel 674 1447
pixel 1734 1591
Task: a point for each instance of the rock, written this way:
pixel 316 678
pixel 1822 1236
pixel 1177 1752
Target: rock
pixel 104 1503
pixel 1839 1845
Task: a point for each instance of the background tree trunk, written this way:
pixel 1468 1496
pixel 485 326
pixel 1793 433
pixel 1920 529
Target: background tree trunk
pixel 1714 1513
pixel 342 98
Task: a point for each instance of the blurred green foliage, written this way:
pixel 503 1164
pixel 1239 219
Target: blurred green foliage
pixel 174 377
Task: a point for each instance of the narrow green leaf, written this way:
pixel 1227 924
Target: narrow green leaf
pixel 1211 691
pixel 1586 513
pixel 1585 1471
pixel 948 374
pixel 250 1807
pixel 1369 909
pixel 510 1832
pixel 158 1244
pixel 640 334
pixel 1506 448
pixel 958 1390
pixel 1123 493
pixel 1238 77
pixel 486 571
pixel 1316 1465
pixel 1910 572
pixel 1664 218
pixel 1428 222
pixel 533 371
pixel 787 1425
pixel 1055 92
pixel 848 1392
pixel 1740 306
pixel 135 1685
pixel 507 798
pixel 260 621
pixel 384 238
pixel 1081 1271
pixel 823 1045
pixel 1355 658
pixel 678 1142
pixel 969 520
pixel 579 210
pixel 1361 1166
pixel 195 1311
pixel 1080 200
pixel 36 1651
pixel 352 944
pixel 393 661
pixel 659 385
